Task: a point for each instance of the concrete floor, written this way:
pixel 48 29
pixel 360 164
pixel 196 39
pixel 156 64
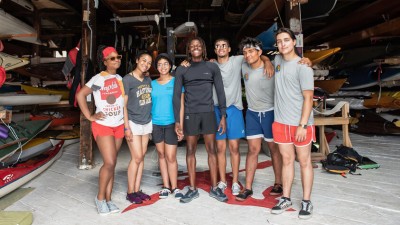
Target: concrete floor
pixel 63 194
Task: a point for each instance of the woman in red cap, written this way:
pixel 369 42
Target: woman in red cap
pixel 107 121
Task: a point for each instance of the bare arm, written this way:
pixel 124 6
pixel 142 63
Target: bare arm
pixel 305 114
pixel 306 61
pixel 127 129
pixel 179 127
pixel 268 67
pixel 81 98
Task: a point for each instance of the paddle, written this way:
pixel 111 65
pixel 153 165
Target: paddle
pixel 13 142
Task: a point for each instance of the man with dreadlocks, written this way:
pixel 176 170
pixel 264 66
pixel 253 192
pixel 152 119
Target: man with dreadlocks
pixel 199 117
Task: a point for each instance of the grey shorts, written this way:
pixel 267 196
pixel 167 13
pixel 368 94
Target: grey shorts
pixel 199 123
pixel 165 133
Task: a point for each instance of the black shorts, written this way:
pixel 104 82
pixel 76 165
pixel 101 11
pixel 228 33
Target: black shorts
pixel 199 123
pixel 165 133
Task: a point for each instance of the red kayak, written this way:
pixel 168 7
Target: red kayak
pixel 60 118
pixel 16 176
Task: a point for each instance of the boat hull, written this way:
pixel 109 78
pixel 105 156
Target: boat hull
pixel 15 177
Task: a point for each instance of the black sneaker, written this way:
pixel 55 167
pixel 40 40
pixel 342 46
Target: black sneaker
pixel 306 210
pixel 244 195
pixel 276 190
pixel 189 196
pixel 283 204
pixel 218 194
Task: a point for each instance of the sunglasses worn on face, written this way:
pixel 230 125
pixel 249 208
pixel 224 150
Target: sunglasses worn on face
pixel 115 57
pixel 223 46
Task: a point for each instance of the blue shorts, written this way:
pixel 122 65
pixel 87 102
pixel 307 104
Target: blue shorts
pixel 234 123
pixel 259 124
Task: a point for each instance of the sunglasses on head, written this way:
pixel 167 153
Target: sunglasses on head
pixel 115 57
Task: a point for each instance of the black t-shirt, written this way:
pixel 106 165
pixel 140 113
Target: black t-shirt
pixel 198 80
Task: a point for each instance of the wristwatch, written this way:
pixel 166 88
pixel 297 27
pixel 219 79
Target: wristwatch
pixel 303 126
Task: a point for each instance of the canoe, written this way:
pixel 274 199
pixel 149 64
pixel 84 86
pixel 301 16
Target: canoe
pixel 354 98
pixel 362 16
pixel 13 99
pixel 369 122
pixel 25 131
pixel 368 76
pixel 267 37
pixel 26 4
pixel 394 60
pixel 68 136
pixel 382 29
pixel 21 173
pixel 45 71
pixel 34 147
pixel 15 29
pixel 9 62
pixel 59 118
pixel 358 56
pixel 330 86
pixel 318 56
pixel 45 91
pixel 385 100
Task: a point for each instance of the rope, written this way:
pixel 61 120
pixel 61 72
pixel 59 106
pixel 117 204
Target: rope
pixel 279 15
pixel 379 82
pixel 11 129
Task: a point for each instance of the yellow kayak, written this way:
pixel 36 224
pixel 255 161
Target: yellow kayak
pixel 317 56
pixel 45 91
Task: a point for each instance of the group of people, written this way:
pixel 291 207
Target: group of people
pixel 205 98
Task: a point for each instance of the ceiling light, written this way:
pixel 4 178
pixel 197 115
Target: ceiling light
pixel 216 3
pixel 133 19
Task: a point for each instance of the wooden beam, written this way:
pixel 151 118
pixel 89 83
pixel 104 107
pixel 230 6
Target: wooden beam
pixel 11 36
pixel 293 21
pixel 358 18
pixel 151 11
pixel 383 29
pixel 88 44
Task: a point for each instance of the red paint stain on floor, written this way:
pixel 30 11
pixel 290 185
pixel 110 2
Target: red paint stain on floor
pixel 203 182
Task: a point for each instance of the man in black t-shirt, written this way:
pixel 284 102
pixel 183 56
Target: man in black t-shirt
pixel 199 118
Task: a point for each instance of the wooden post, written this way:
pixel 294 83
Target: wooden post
pixel 36 24
pixel 171 44
pixel 293 21
pixel 88 44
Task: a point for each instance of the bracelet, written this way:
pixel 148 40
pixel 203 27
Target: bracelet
pixel 125 129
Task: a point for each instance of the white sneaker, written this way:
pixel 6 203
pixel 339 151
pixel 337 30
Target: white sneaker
pixel 112 207
pixel 102 207
pixel 235 189
pixel 222 185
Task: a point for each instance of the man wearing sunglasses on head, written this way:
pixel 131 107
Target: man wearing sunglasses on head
pixel 230 67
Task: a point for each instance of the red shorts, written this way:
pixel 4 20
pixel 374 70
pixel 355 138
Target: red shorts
pixel 285 134
pixel 101 130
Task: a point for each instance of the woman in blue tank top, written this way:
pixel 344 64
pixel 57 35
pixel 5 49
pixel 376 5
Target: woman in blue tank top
pixel 164 136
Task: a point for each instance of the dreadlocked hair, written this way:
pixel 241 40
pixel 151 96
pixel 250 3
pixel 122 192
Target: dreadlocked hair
pixel 203 47
pixel 100 57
